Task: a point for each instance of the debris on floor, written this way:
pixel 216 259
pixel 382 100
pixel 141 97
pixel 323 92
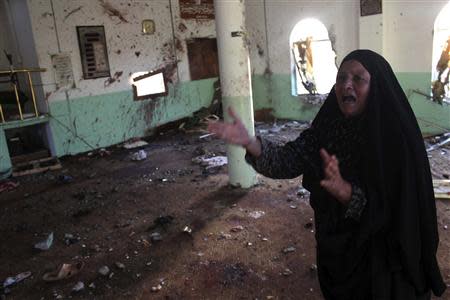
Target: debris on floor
pixel 65 178
pixel 256 214
pixel 134 144
pixel 36 166
pixel 64 271
pixel 288 249
pixel 70 239
pixel 8 186
pixel 441 188
pixel 104 271
pixel 287 272
pixel 10 281
pixel 211 162
pixel 78 287
pixel 120 265
pixel 45 244
pixel 102 152
pixel 439 141
pixel 237 228
pixel 140 155
pixel 187 229
pixel 162 223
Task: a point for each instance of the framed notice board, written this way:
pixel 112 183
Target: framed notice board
pixel 370 7
pixel 93 51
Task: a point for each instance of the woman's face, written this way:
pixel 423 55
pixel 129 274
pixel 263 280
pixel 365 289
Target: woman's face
pixel 352 88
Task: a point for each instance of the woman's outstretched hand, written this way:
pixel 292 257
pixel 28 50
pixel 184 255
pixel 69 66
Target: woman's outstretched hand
pixel 235 133
pixel 333 181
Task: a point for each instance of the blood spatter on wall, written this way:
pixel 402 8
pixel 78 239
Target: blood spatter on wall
pixel 170 71
pixel 73 11
pixel 179 45
pixel 113 79
pixel 260 50
pixel 112 12
pixel 182 27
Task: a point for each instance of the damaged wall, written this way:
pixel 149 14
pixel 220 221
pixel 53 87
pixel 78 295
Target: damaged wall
pixel 408 45
pixel 101 112
pixel 6 38
pixel 341 20
pixel 129 50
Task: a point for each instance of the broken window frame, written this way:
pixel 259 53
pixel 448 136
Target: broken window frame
pixel 440 85
pixel 299 33
pixel 301 65
pixel 153 95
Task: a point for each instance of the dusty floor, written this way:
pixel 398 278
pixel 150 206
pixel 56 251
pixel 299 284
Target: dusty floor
pixel 239 244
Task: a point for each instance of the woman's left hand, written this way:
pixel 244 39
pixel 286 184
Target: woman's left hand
pixel 333 181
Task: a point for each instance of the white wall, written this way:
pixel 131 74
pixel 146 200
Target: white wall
pixel 371 33
pixel 185 29
pixel 340 18
pixel 124 39
pixel 54 30
pixel 6 38
pixel 408 33
pixel 403 34
pixel 257 37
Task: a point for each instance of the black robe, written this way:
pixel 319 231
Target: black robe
pixel 390 251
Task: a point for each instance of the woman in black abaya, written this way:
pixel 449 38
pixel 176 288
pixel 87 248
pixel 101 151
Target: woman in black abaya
pixel 365 164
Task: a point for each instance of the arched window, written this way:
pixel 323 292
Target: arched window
pixel 441 57
pixel 313 65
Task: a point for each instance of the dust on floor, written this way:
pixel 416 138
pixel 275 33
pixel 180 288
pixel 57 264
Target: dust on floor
pixel 168 228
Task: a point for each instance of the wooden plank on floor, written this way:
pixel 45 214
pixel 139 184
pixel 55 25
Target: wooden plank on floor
pixel 36 166
pixel 441 182
pixel 29 157
pixel 442 196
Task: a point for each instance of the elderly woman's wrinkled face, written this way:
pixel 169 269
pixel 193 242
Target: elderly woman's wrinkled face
pixel 352 88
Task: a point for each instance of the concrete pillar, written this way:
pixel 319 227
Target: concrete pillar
pixel 235 81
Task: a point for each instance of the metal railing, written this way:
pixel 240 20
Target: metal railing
pixel 14 84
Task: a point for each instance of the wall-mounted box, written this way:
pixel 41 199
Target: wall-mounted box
pixel 93 51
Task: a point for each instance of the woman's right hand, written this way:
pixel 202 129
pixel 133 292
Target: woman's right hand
pixel 232 133
pixel 235 133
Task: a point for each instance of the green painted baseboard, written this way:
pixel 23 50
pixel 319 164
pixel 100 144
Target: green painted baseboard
pixel 88 123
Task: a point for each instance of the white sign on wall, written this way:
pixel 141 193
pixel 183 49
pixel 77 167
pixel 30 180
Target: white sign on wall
pixel 62 68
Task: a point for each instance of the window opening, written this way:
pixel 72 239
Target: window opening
pixel 440 87
pixel 313 62
pixel 148 85
pixel 304 63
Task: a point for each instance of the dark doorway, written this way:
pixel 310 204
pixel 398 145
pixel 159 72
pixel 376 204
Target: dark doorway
pixel 203 58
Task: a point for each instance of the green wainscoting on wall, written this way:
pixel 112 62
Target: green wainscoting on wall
pixel 83 124
pixel 433 118
pixel 5 162
pixel 287 106
pixel 104 120
pixel 261 92
pixel 78 125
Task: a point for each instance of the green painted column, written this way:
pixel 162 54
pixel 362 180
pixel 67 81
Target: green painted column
pixel 235 81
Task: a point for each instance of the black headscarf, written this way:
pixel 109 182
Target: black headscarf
pixel 400 210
